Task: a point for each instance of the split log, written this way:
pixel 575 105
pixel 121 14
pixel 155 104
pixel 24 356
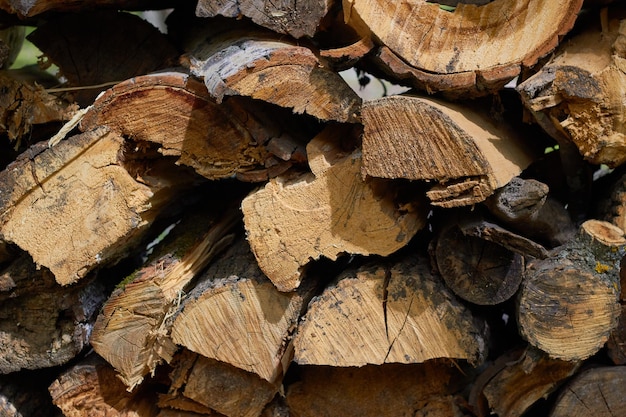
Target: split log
pixel 133 332
pixel 328 212
pixel 392 389
pixel 210 387
pixel 473 50
pixel 398 313
pixel 525 206
pixel 89 186
pixel 594 392
pixel 247 62
pixel 297 19
pixel 577 94
pixel 568 303
pixel 41 323
pixel 176 115
pixel 478 270
pixel 90 61
pixel 24 103
pixel 465 151
pixel 237 316
pixel 91 387
pixel 516 380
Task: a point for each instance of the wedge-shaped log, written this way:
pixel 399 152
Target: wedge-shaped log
pixel 237 316
pixel 238 60
pixel 419 390
pixel 91 387
pixel 86 202
pixel 201 384
pixel 389 313
pixel 132 332
pixel 41 323
pixel 577 96
pixel 471 50
pixel 569 302
pixel 465 151
pixel 297 19
pixel 174 111
pixel 328 212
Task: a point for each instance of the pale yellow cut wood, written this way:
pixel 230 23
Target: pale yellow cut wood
pixel 237 316
pixel 579 94
pixel 262 66
pixel 133 332
pixel 83 207
pixel 328 212
pixel 466 152
pixel 295 18
pixel 485 42
pixel 383 314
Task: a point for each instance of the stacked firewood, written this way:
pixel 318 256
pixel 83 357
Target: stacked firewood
pixel 211 221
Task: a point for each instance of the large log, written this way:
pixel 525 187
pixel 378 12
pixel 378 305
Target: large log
pixel 328 212
pixel 88 201
pixel 464 150
pixel 471 50
pixel 179 119
pixel 396 313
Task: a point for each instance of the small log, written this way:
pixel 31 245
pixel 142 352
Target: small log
pixel 388 390
pixel 11 40
pixel 297 19
pixel 463 150
pixel 24 103
pixel 477 270
pixel 237 316
pixel 203 385
pixel 594 392
pixel 43 324
pixel 90 61
pixel 525 206
pixel 132 332
pixel 577 95
pixel 91 387
pixel 238 137
pixel 36 7
pixel 328 212
pixel 89 186
pixel 473 50
pixel 616 345
pixel 516 380
pixel 247 62
pixel 397 313
pixel 568 303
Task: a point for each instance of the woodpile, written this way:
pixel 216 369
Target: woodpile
pixel 211 222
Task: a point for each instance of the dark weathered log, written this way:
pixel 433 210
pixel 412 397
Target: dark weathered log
pixel 417 390
pixel 594 392
pixel 297 19
pixel 568 303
